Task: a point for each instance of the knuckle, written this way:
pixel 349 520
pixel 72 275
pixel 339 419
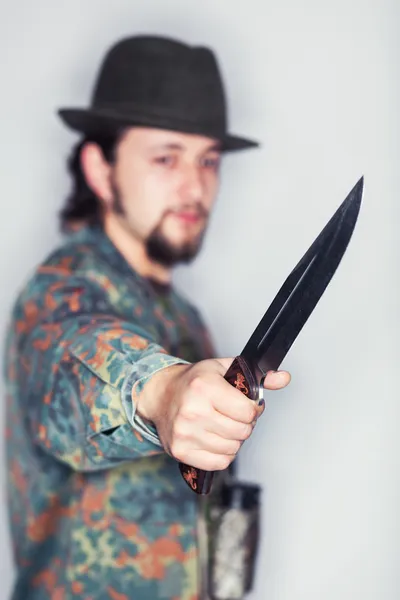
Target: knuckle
pixel 180 430
pixel 177 450
pixel 188 411
pixel 191 408
pixel 224 462
pixel 221 462
pixel 246 432
pixel 236 447
pixel 253 411
pixel 197 385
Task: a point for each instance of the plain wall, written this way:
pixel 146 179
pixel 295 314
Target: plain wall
pixel 318 84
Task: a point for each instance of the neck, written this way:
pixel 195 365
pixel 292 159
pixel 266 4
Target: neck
pixel 134 252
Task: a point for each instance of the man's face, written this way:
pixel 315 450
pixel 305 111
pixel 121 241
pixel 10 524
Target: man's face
pixel 164 185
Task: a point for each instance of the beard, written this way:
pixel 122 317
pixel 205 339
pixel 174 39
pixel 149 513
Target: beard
pixel 166 254
pixel 158 247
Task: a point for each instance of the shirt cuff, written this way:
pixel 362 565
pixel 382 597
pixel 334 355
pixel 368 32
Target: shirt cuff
pixel 141 372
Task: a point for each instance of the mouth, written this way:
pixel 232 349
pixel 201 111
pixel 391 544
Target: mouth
pixel 189 218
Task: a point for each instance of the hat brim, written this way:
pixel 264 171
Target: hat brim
pixel 92 122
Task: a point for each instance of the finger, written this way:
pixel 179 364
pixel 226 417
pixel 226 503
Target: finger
pixel 226 428
pixel 201 459
pixel 276 380
pixel 210 442
pixel 231 403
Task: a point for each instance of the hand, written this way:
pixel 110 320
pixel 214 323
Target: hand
pixel 200 418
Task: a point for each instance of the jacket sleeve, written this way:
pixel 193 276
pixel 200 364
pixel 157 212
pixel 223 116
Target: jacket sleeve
pixel 79 368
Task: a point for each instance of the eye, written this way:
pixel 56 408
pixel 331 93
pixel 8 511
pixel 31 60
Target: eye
pixel 166 160
pixel 211 162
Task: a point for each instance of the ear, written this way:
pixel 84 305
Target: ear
pixel 96 171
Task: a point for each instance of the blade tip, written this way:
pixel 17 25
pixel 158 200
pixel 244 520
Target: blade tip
pixel 358 189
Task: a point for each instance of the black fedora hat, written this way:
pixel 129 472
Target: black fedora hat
pixel 158 82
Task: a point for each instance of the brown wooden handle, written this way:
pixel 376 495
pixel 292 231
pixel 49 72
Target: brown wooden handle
pixel 240 376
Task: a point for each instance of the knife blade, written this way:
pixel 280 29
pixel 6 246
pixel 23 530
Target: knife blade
pixel 287 314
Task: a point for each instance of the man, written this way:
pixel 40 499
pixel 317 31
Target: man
pixel 109 371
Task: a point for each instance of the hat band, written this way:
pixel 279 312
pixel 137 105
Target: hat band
pixel 131 110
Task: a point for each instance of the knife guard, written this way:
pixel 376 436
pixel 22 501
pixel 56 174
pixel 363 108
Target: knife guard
pixel 240 376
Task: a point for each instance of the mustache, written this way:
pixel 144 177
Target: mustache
pixel 196 209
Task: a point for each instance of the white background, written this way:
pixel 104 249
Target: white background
pixel 318 83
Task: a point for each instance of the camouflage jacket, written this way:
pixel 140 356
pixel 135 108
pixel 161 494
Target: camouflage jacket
pixel 97 509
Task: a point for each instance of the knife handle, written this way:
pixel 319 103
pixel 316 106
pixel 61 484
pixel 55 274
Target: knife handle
pixel 240 376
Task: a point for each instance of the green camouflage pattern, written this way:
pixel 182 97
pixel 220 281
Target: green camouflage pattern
pixel 97 509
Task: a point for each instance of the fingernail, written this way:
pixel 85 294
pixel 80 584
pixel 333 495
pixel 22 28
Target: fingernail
pixel 261 402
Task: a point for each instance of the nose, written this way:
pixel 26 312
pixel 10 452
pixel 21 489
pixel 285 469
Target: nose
pixel 193 184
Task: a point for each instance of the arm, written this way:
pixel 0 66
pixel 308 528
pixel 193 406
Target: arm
pixel 77 367
pixel 84 373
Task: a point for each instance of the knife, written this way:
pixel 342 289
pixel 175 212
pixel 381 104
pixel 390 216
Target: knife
pixel 287 314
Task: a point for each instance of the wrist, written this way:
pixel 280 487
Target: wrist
pixel 154 398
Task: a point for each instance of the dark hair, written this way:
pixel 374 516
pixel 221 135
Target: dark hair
pixel 82 205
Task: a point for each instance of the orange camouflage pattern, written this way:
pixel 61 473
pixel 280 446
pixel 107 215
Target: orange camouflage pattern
pixel 97 509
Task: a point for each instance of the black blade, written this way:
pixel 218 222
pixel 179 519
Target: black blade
pixel 303 288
